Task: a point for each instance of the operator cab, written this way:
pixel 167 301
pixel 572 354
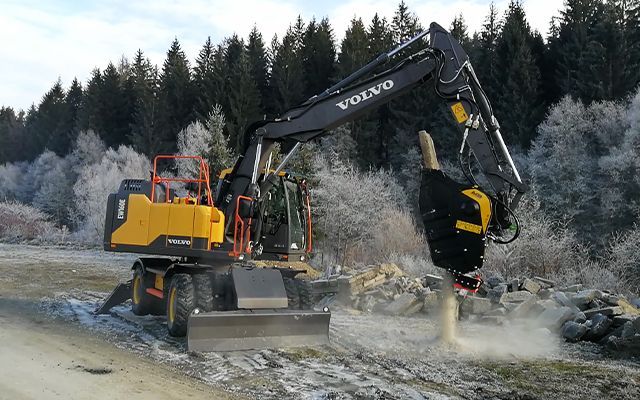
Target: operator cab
pixel 286 219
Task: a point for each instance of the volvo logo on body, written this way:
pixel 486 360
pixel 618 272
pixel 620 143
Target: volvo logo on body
pixel 365 94
pixel 179 242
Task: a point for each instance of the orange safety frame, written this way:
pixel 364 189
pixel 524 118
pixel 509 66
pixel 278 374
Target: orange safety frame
pixel 239 235
pixel 203 177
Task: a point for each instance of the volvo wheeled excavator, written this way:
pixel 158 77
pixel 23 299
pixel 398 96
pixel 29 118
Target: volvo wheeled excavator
pixel 199 243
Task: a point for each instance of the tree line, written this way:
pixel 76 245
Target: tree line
pixel 592 53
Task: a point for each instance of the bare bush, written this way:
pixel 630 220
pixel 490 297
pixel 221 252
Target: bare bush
pixel 362 217
pixel 21 222
pixel 545 246
pixel 88 148
pixel 55 193
pixel 11 179
pixel 207 141
pixel 623 259
pixel 95 183
pixel 548 248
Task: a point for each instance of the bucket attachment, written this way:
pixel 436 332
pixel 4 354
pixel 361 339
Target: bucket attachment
pixel 119 295
pixel 456 218
pixel 257 329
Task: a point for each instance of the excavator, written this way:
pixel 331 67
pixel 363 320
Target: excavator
pixel 198 271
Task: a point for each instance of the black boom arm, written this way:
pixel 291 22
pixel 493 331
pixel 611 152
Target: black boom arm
pixel 440 61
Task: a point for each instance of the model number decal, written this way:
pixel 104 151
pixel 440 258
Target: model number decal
pixel 122 203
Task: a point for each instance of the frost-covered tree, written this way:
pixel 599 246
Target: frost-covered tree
pixel 220 155
pixel 55 193
pixel 564 163
pixel 96 181
pixel 621 167
pixel 348 205
pixel 207 141
pixel 88 148
pixel 192 141
pixel 36 174
pixel 11 179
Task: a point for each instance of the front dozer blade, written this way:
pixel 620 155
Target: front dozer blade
pixel 257 329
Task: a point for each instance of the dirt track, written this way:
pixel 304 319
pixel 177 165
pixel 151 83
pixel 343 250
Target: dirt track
pixel 56 348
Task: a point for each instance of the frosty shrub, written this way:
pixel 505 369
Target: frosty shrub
pixel 11 179
pixel 96 181
pixel 361 217
pixel 620 170
pixel 21 222
pixel 545 246
pixel 192 141
pixel 207 141
pixel 88 148
pixel 622 258
pixel 585 165
pixel 548 248
pixel 55 193
pixel 35 175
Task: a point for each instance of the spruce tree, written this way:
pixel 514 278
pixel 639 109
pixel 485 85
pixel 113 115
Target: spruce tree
pixel 114 113
pixel 144 135
pixel 259 63
pixel 12 132
pixel 90 115
pixel 569 44
pixel 286 83
pixel 74 99
pixel 46 128
pixel 518 104
pixel 176 96
pixel 354 54
pixel 318 57
pixel 459 31
pixel 242 102
pixel 206 80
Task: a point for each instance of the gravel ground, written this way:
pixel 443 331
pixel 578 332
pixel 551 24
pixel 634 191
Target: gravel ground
pixel 370 356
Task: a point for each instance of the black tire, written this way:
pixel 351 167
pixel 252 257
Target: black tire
pixel 180 304
pixel 203 292
pixel 304 293
pixel 293 293
pixel 142 303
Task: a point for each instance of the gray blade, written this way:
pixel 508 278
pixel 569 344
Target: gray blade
pixel 119 295
pixel 257 329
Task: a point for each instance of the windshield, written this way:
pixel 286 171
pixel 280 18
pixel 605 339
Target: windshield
pixel 296 223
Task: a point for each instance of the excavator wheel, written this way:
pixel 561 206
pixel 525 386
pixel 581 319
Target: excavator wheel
pixel 204 296
pixel 142 303
pixel 298 294
pixel 180 304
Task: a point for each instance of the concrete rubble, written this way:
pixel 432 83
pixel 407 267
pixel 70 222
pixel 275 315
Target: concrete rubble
pixel 572 311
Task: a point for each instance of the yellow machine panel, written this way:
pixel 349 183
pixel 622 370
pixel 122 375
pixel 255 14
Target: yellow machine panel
pixel 146 222
pixel 135 228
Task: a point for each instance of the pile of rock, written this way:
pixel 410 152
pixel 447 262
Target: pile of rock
pixel 574 312
pixel 384 289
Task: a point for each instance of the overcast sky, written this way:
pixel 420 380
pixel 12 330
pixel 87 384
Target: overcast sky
pixel 44 40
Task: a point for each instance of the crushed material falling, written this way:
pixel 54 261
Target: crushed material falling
pixel 449 312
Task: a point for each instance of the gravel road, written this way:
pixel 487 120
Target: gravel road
pixel 50 293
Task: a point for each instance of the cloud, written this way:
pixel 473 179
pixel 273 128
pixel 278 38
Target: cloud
pixel 67 39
